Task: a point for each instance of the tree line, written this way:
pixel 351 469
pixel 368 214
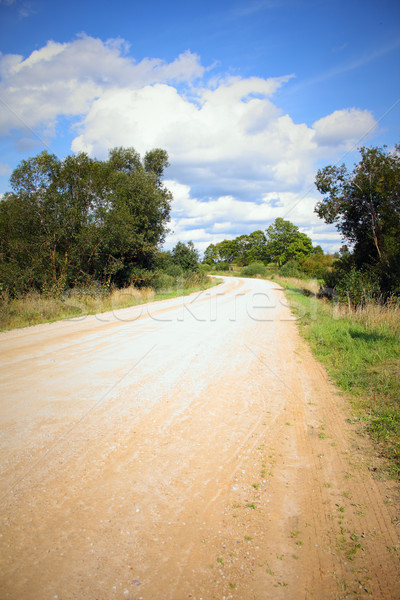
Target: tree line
pixel 282 243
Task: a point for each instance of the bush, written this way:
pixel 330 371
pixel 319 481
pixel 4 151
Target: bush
pixel 357 287
pixel 174 270
pixel 221 266
pixel 205 268
pixel 291 269
pixel 254 269
pixel 162 280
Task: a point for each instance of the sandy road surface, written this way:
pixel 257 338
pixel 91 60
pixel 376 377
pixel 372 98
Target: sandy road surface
pixel 185 449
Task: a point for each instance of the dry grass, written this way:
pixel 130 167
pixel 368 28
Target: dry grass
pixel 308 285
pixel 380 317
pixel 35 308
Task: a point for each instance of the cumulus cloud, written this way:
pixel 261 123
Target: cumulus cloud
pixel 344 127
pixel 65 79
pixel 238 161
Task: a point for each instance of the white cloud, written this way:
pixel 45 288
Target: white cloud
pixel 344 127
pixel 65 79
pixel 205 222
pixel 237 161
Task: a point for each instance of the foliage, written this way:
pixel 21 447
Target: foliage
pixel 74 221
pixel 365 207
pixel 211 255
pixel 227 251
pixel 285 242
pixel 185 256
pixel 317 264
pixel 282 242
pixel 254 269
pixel 291 269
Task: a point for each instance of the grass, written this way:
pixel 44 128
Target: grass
pixel 361 351
pixel 35 308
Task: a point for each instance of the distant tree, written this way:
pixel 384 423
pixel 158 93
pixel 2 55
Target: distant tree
pixel 241 249
pixel 365 207
pixel 317 250
pixel 256 247
pixel 285 242
pixel 299 249
pixel 211 255
pixel 186 256
pixel 227 251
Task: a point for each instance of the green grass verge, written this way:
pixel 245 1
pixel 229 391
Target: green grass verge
pixel 361 352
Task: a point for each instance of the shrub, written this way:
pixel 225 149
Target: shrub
pixel 291 269
pixel 162 280
pixel 254 269
pixel 357 287
pixel 221 266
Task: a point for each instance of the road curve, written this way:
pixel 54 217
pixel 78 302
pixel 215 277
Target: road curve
pixel 189 448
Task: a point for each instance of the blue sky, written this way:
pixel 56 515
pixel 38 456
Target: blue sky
pixel 248 98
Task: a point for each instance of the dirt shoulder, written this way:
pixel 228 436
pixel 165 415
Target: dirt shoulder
pixel 194 449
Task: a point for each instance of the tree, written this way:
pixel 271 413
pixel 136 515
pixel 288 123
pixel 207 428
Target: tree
pixel 80 220
pixel 227 251
pixel 185 256
pixel 137 213
pixel 299 249
pixel 285 242
pixel 241 248
pixel 365 207
pixel 256 247
pixel 211 255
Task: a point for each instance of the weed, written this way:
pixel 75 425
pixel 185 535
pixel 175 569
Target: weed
pixel 295 533
pixel 220 560
pixel 256 486
pixel 252 506
pixel 232 586
pixel 351 553
pixel 248 538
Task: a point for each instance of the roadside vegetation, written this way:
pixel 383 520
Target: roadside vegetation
pixel 34 308
pixel 80 236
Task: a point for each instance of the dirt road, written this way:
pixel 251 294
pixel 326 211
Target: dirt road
pixel 190 448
